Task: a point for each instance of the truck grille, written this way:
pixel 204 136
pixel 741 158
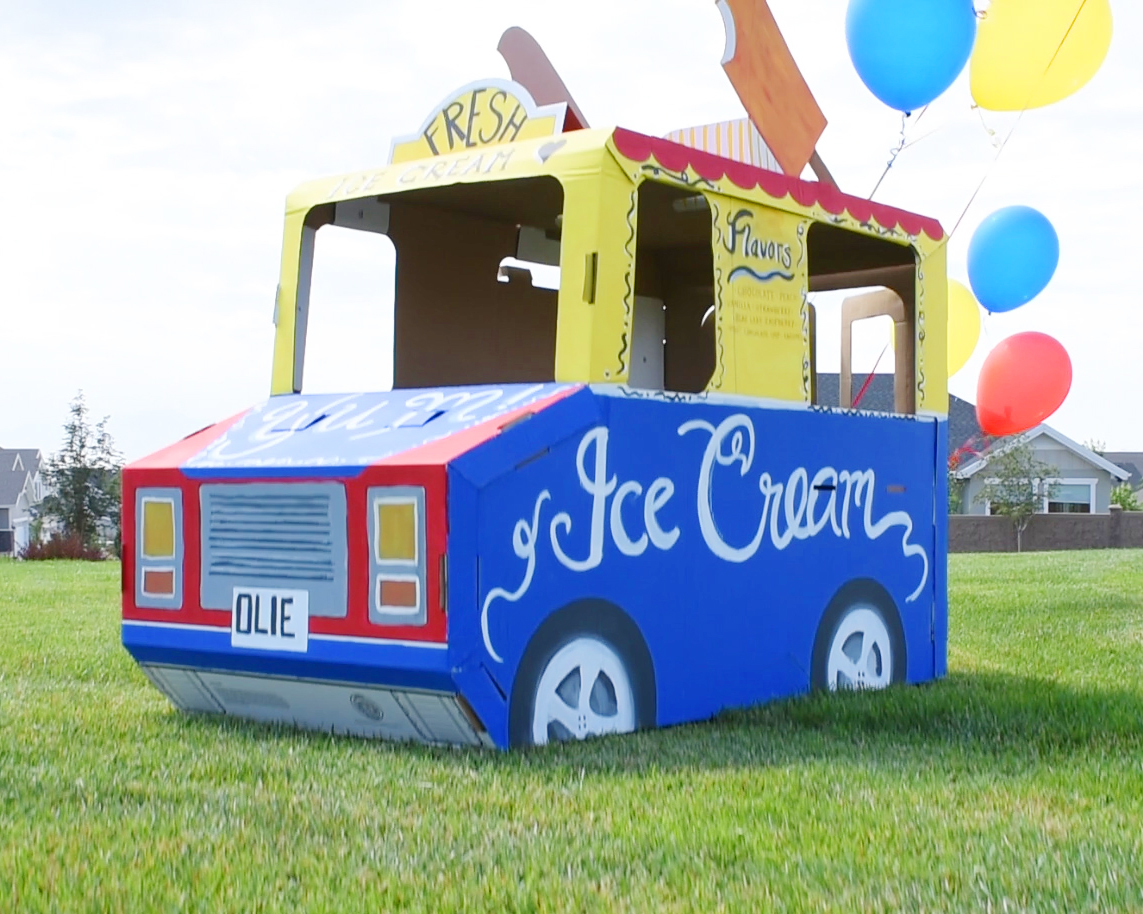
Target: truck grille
pixel 286 535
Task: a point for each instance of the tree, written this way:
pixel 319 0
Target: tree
pixel 956 487
pixel 82 481
pixel 1123 496
pixel 968 452
pixel 1016 484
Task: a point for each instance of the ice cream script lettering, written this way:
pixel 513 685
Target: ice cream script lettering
pixel 801 507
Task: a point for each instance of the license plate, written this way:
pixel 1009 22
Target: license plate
pixel 269 619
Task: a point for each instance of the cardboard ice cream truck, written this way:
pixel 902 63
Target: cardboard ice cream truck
pixel 583 511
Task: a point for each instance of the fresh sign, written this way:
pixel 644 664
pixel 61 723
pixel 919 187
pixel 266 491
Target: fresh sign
pixel 480 115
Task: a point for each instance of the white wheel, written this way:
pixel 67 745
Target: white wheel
pixel 861 652
pixel 584 691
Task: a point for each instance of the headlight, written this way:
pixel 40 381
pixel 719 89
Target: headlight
pixel 158 528
pixel 397 555
pixel 159 514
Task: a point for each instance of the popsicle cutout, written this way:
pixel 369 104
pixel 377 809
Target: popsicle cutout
pixel 770 85
pixel 530 67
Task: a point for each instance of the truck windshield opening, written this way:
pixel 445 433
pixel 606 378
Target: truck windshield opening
pixel 465 307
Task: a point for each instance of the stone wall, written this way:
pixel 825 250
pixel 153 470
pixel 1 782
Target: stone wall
pixel 1117 529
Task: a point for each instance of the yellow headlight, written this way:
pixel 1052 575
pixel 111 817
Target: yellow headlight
pixel 396 531
pixel 158 528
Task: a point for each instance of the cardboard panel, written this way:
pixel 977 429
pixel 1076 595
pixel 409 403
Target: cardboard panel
pixel 690 356
pixel 900 308
pixel 298 435
pixel 723 534
pixel 738 139
pixel 454 322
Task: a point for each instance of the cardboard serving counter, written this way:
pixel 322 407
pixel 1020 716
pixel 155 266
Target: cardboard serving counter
pixel 578 512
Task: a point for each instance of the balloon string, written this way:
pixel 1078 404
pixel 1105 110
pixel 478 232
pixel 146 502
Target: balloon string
pixel 925 136
pixel 983 123
pixel 984 180
pixel 901 144
pixel 869 380
pixel 1020 117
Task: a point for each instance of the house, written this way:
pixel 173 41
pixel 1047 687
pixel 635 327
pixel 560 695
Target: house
pixel 1082 485
pixel 21 489
pixel 964 432
pixel 1132 462
pixel 1085 478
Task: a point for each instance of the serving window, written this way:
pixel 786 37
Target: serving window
pixel 881 278
pixel 673 321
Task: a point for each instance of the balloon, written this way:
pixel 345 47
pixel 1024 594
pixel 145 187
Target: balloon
pixel 1022 382
pixel 1012 257
pixel 964 326
pixel 1016 43
pixel 907 52
pixel 963 330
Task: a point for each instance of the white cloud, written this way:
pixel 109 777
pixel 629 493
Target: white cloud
pixel 148 153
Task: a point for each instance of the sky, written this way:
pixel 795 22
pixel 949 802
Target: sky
pixel 147 150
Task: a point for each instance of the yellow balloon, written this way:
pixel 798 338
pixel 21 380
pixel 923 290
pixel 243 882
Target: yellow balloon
pixel 1012 62
pixel 964 325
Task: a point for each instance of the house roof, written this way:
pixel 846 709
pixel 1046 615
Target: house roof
pixel 12 483
pixel 1116 472
pixel 965 431
pixel 1132 462
pixel 16 465
pixel 30 457
pixel 963 427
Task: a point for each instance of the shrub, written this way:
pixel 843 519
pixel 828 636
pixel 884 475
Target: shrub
pixel 61 547
pixel 1123 496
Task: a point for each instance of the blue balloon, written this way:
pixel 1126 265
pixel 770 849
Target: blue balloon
pixel 1012 257
pixel 909 51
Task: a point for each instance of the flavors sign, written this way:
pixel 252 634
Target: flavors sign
pixel 760 271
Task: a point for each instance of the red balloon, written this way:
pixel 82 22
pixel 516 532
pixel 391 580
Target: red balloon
pixel 1024 380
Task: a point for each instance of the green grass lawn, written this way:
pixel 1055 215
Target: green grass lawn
pixel 1015 784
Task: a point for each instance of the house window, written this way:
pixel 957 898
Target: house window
pixel 1070 497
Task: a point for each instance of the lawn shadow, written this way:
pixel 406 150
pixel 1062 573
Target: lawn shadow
pixel 967 716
